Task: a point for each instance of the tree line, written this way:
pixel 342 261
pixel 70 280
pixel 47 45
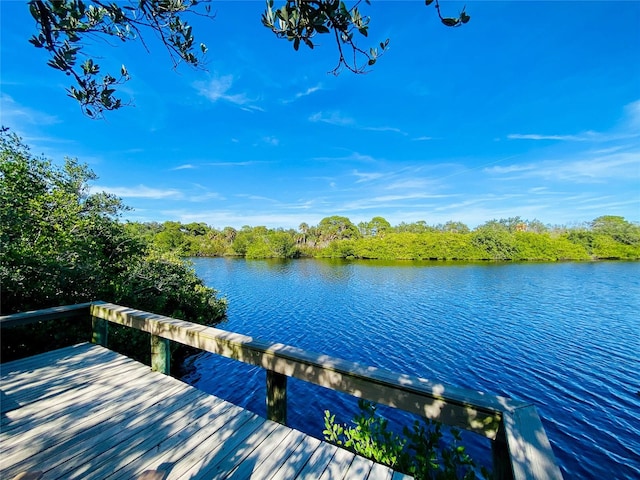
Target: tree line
pixel 510 239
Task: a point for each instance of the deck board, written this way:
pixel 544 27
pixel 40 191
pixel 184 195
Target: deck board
pixel 86 412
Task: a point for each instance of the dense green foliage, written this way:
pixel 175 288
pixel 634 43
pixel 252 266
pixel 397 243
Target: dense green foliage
pixel 61 244
pixel 512 239
pixel 421 451
pixel 63 28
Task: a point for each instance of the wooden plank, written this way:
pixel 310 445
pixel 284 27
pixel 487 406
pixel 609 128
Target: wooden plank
pixel 297 459
pixel 400 476
pixel 210 444
pixel 73 399
pixel 85 442
pixel 25 318
pixel 214 432
pixel 103 451
pixel 359 468
pixel 121 456
pixel 529 447
pixel 21 393
pixel 340 465
pixel 23 365
pixel 37 443
pixel 34 475
pixel 278 440
pixel 234 457
pixel 275 461
pixel 318 462
pixel 380 472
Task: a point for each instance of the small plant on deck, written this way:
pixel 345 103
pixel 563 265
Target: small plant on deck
pixel 421 451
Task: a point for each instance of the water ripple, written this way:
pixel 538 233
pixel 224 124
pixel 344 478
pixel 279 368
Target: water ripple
pixel 563 336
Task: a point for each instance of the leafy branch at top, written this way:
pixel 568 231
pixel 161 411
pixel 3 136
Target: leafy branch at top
pixel 300 21
pixel 63 25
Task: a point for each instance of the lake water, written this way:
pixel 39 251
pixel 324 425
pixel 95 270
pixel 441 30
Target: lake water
pixel 564 336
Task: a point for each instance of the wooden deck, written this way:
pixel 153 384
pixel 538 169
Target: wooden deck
pixel 86 412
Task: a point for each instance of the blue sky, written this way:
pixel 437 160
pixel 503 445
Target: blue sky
pixel 532 109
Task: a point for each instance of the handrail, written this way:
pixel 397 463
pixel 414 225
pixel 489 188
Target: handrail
pixel 521 449
pixel 33 316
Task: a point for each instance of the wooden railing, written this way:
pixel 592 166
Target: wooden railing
pixel 520 446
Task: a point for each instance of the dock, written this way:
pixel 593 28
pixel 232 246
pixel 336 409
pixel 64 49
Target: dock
pixel 86 412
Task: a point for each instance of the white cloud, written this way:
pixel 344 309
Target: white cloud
pixel 12 114
pixel 186 166
pixel 309 91
pixel 341 120
pixel 332 118
pixel 367 177
pixel 596 169
pixel 206 196
pixel 411 183
pixel 586 136
pixel 629 127
pixel 632 116
pixel 218 88
pixel 304 93
pixel 141 191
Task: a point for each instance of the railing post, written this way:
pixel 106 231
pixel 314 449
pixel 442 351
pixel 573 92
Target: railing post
pixel 100 331
pixel 500 456
pixel 160 355
pixel 277 397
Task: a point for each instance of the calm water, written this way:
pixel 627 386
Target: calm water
pixel 563 336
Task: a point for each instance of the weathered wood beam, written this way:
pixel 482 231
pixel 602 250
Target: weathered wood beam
pixel 99 331
pixel 529 448
pixel 160 355
pixel 35 316
pixel 277 397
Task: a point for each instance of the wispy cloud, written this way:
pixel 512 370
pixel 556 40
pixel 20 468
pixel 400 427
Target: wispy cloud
pixel 341 120
pixel 596 169
pixel 367 177
pixel 410 184
pixel 304 93
pixel 234 164
pixel 269 140
pixel 423 138
pixel 206 197
pixel 587 136
pixel 333 118
pixel 219 89
pixel 16 115
pixel 186 166
pixel 631 120
pixel 353 157
pixel 141 191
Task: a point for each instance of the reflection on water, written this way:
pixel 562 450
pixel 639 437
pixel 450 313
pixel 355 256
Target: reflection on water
pixel 563 336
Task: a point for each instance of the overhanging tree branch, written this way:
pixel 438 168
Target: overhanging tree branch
pixel 63 24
